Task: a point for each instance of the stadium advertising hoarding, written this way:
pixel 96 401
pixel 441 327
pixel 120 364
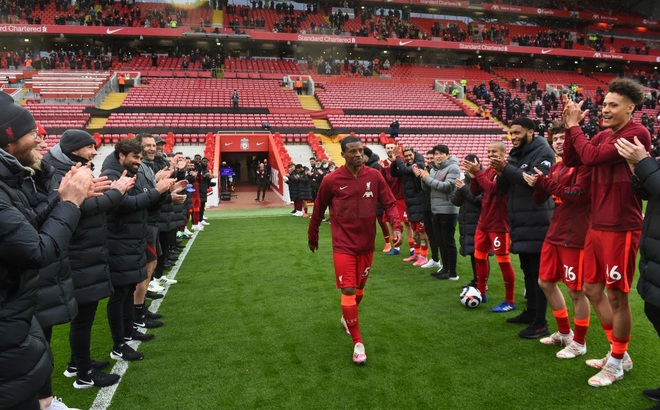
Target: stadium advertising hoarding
pixel 91 30
pixel 11 29
pixel 584 15
pixel 450 45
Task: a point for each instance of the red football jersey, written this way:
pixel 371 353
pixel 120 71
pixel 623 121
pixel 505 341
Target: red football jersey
pixel 353 204
pixel 494 216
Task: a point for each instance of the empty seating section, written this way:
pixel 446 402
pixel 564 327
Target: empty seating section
pixel 261 65
pixel 60 115
pixel 376 96
pixel 8 77
pixel 475 124
pixel 211 93
pixel 145 62
pixel 62 85
pixel 208 120
pixel 471 74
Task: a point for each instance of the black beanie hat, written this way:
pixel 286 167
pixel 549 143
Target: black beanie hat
pixel 15 121
pixel 73 140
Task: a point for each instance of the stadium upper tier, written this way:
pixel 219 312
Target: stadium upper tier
pixel 186 92
pixel 378 96
pixel 60 115
pixel 208 120
pixel 476 124
pixel 114 14
pixel 551 77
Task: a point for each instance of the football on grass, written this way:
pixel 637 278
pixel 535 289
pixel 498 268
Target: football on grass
pixel 470 297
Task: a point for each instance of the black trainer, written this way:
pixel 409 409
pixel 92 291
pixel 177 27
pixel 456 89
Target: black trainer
pixel 153 295
pixel 524 318
pixel 652 394
pixel 439 272
pixel 447 276
pixel 535 330
pixel 127 353
pixel 151 315
pixel 146 323
pixel 72 371
pixel 142 337
pixel 96 378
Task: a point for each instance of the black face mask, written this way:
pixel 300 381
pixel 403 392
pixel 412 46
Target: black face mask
pixel 82 160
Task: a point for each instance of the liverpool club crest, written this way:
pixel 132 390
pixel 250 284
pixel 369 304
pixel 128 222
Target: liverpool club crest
pixel 245 144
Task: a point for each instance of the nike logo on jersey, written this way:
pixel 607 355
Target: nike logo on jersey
pixel 341 188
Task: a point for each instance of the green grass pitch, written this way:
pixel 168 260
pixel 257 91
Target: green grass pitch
pixel 254 323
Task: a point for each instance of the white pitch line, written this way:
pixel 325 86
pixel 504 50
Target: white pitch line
pixel 105 395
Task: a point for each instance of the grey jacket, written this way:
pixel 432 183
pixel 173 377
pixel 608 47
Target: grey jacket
pixel 441 182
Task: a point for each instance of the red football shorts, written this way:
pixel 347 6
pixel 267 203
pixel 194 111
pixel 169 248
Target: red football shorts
pixel 417 227
pixel 610 257
pixel 559 263
pixel 485 241
pixel 352 271
pixel 401 207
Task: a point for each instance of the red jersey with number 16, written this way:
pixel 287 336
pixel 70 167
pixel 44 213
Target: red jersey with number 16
pixel 353 203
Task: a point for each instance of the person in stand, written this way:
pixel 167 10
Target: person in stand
pixel 394 129
pixel 121 81
pixel 234 98
pixel 613 238
pixel 352 192
pixel 562 254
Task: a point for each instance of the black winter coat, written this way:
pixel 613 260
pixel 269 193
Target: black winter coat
pixel 529 221
pixel 88 251
pixel 55 302
pixel 127 227
pixel 25 359
pixel 412 186
pixel 468 216
pixel 648 187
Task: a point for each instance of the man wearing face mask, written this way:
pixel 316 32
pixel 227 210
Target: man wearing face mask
pixel 88 256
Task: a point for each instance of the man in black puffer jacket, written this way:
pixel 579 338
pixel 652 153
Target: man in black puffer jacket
pixel 88 255
pixel 413 194
pixel 127 241
pixel 28 242
pixel 468 216
pixel 646 183
pixel 529 221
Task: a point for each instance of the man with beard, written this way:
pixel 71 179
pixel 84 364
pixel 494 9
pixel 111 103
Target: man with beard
pixel 28 242
pixel 528 220
pixel 403 168
pixel 127 240
pixel 146 173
